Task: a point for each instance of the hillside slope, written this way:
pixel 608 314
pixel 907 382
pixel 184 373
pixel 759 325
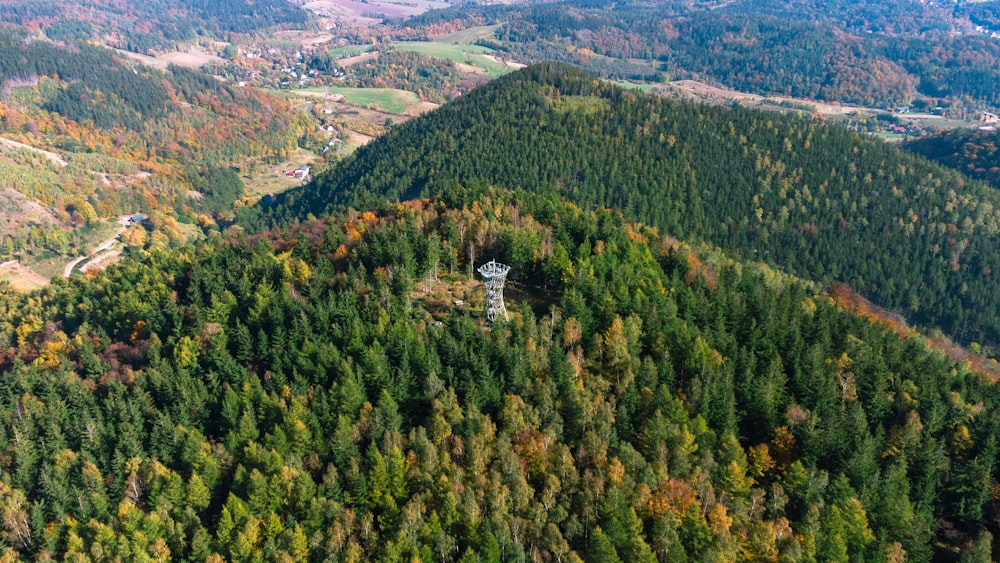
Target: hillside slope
pixel 150 26
pixel 880 53
pixel 313 394
pixel 973 152
pixel 86 135
pixel 817 200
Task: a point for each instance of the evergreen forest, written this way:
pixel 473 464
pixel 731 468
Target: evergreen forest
pixel 816 200
pixel 730 335
pixel 319 393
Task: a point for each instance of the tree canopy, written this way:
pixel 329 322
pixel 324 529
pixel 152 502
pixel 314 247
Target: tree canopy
pixel 816 200
pixel 303 394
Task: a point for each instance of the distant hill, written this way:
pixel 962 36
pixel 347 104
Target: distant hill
pixel 973 152
pixel 88 135
pixel 817 200
pixel 149 26
pixel 872 52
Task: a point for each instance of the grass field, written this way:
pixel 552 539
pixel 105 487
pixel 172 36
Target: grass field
pixel 632 85
pixel 453 292
pixel 22 278
pixel 474 55
pixel 468 36
pixel 24 284
pixel 194 57
pixel 891 137
pixel 350 50
pixel 386 99
pixel 354 140
pixel 304 38
pixel 47 264
pixel 101 232
pixel 271 178
pixel 93 238
pixel 361 11
pixel 703 92
pixel 585 104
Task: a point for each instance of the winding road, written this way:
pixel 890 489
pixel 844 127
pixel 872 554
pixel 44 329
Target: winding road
pixel 68 270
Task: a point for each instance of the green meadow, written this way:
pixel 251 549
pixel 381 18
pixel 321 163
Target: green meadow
pixel 474 55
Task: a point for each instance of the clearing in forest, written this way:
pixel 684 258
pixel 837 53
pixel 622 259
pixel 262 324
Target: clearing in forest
pixel 194 57
pixel 468 36
pixel 474 55
pixel 351 50
pixel 21 277
pixel 274 178
pixel 370 11
pixel 390 100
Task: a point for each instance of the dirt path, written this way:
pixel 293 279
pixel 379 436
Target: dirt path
pixel 68 270
pixel 50 155
pixel 510 64
pixel 97 262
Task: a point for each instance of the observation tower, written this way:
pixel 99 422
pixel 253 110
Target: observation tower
pixel 495 274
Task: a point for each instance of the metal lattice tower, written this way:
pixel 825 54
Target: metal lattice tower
pixel 495 275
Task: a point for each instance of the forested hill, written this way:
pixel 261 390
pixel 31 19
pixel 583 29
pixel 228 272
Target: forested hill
pixel 125 138
pixel 318 395
pixel 972 151
pixel 150 26
pixel 879 53
pixel 817 200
